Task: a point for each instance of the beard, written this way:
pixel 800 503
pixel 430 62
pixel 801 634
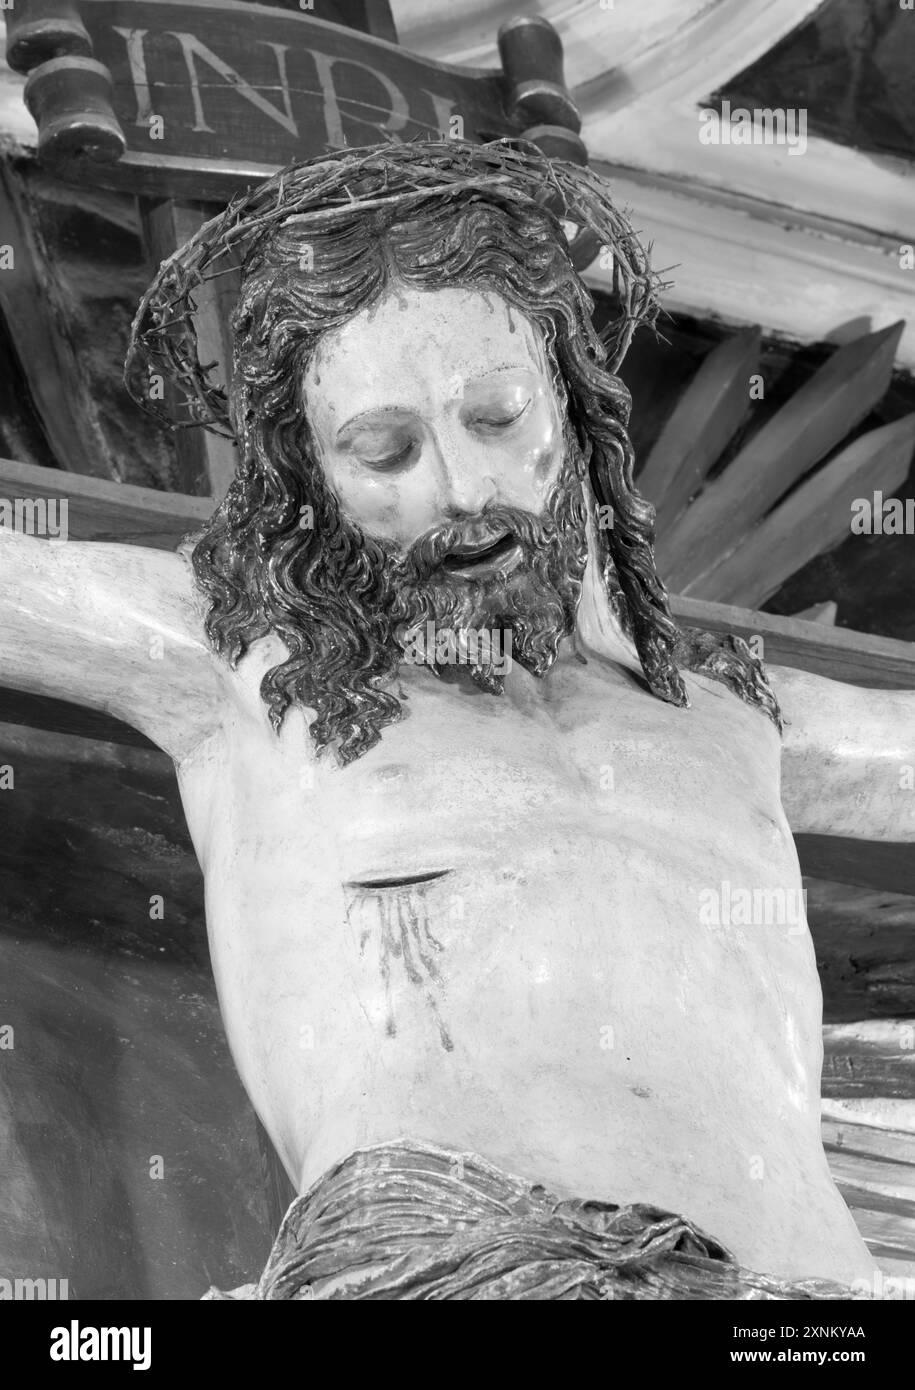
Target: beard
pixel 348 605
pixel 521 610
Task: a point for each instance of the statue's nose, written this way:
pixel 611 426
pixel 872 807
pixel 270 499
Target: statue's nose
pixel 469 499
pixel 467 486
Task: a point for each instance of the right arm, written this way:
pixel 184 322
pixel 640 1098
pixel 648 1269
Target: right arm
pixel 114 627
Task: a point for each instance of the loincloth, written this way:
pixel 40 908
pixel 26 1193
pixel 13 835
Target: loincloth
pixel 410 1221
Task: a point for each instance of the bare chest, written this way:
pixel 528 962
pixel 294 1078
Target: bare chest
pixel 520 885
pixel 588 758
pixel 583 788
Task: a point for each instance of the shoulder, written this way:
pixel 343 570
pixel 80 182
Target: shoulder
pixel 153 590
pixel 729 725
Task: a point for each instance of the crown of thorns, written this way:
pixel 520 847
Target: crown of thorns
pixel 163 337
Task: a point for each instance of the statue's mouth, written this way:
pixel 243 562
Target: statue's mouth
pixel 485 559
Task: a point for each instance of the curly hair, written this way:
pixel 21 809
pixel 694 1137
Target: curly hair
pixel 320 587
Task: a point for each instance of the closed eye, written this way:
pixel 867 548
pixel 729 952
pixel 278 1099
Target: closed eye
pixel 389 461
pixel 500 419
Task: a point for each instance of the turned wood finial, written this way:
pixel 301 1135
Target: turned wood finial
pixel 68 93
pixel 531 53
pixel 39 30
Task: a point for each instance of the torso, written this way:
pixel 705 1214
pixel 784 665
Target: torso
pixel 552 994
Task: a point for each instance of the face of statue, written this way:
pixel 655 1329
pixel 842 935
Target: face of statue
pixel 436 426
pixel 434 408
pixel 421 460
pixel 444 482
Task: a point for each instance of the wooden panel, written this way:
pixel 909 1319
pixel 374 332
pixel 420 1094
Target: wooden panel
pixel 103 510
pixel 863 939
pixel 33 304
pixel 62 717
pixel 89 245
pixel 857 1140
pixel 854 65
pixel 206 461
pixel 874 1169
pixel 836 652
pixel 874 1057
pixel 368 16
pixel 890 1234
pixel 813 518
pixel 119 1050
pixel 703 422
pixel 21 432
pixel 814 421
pixel 883 864
pixel 738 256
pixel 826 612
pixel 244 89
pixel 870 1182
pixel 874 1111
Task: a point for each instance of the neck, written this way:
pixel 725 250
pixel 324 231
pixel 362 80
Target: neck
pixel 596 628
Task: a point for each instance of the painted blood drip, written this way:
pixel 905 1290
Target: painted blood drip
pixel 399 920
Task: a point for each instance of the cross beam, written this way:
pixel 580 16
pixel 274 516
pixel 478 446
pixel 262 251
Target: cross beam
pixel 100 510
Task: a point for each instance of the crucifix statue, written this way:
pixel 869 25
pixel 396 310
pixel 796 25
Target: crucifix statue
pixel 504 908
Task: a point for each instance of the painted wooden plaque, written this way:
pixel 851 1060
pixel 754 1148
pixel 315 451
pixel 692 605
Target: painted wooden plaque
pixel 212 95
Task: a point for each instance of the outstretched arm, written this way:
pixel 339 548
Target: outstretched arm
pixel 848 759
pixel 114 627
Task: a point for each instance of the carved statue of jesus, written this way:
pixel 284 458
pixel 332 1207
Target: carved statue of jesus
pixel 461 791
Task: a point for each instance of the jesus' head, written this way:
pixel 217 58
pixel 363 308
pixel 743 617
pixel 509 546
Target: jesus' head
pixel 423 411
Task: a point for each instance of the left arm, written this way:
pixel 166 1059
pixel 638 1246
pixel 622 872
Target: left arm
pixel 848 757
